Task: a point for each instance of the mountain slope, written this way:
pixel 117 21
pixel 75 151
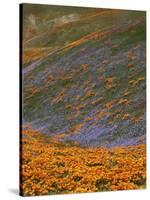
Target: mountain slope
pixel 85 81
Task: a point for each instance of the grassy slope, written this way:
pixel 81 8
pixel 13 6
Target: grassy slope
pixel 86 93
pixel 93 90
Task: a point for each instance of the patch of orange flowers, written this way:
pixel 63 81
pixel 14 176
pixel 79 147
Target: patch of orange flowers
pixel 49 167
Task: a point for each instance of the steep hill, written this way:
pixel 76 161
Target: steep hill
pixel 84 75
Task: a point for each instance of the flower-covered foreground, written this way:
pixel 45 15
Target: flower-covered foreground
pixel 49 167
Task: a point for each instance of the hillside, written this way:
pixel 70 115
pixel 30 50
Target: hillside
pixel 83 100
pixel 85 81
